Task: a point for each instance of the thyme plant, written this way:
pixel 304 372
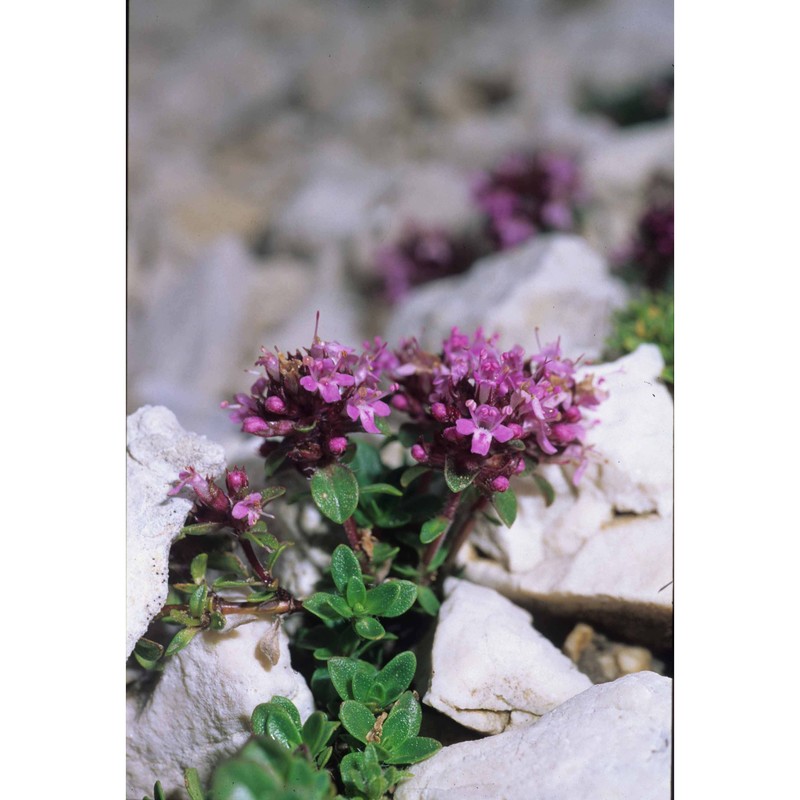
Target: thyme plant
pixel 467 418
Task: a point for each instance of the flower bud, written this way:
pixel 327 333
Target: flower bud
pixel 400 402
pixel 337 445
pixel 236 480
pixel 500 483
pixel 275 404
pixel 418 453
pixel 256 425
pixel 439 412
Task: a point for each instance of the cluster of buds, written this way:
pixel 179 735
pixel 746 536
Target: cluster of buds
pixel 422 255
pixel 488 412
pixel 652 253
pixel 235 505
pixel 312 402
pixel 528 194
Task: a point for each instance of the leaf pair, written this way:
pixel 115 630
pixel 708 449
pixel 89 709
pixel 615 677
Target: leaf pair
pixel 395 737
pixel 265 768
pixel 353 601
pixel 364 776
pixel 280 720
pixel 376 689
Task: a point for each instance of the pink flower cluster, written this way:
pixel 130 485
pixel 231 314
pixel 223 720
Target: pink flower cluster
pixel 235 505
pixel 489 411
pixel 422 255
pixel 526 194
pixel 313 401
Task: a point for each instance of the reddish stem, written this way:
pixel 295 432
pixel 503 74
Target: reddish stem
pixel 351 529
pixel 466 529
pixel 265 577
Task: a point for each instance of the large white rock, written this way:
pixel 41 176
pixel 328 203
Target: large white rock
pixel 490 669
pixel 555 283
pixel 158 449
pixel 612 741
pixel 200 708
pixel 604 548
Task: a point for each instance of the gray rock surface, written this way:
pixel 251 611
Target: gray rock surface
pixel 158 449
pixel 491 670
pixel 556 284
pixel 612 741
pixel 199 710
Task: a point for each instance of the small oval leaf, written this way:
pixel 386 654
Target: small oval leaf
pixel 505 503
pixel 457 480
pixel 344 565
pixel 335 491
pixel 369 628
pixel 433 529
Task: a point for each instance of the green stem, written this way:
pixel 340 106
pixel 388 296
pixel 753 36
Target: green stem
pixel 448 512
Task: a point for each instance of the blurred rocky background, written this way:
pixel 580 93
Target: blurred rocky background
pixel 276 146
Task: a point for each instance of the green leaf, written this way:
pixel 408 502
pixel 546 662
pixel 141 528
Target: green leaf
pixel 197 602
pixel 545 488
pixel 366 463
pixel 200 529
pixel 369 628
pixel 282 729
pixel 198 567
pixel 437 560
pixel 344 565
pixel 356 594
pixel 391 598
pixel 148 650
pixel 412 473
pixel 227 562
pixel 433 528
pixel 381 488
pixel 274 460
pixel 262 539
pixel 217 621
pixel 271 493
pixel 181 617
pixel 428 600
pixel 192 782
pixel 341 673
pixel 505 503
pixel 402 723
pixel 382 425
pixel 327 606
pixel 158 792
pixel 456 479
pixel 397 675
pixel 317 730
pixel 362 681
pixel 335 491
pixel 515 444
pixel 180 640
pixel 147 653
pixel 409 433
pixel 414 750
pixel 357 719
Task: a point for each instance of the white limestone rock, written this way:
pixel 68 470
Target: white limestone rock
pixel 555 283
pixel 491 670
pixel 199 711
pixel 612 741
pixel 158 449
pixel 620 577
pixel 635 436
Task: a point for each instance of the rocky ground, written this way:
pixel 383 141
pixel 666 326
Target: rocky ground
pixel 274 147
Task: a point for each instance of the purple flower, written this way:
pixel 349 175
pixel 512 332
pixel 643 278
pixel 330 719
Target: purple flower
pixel 365 404
pixel 485 425
pixel 323 378
pixel 249 508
